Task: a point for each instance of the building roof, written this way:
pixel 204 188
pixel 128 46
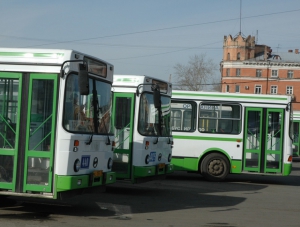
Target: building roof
pixel 292 57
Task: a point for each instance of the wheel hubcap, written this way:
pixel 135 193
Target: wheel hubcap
pixel 216 167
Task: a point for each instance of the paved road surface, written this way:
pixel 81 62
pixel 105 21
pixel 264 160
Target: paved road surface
pixel 181 200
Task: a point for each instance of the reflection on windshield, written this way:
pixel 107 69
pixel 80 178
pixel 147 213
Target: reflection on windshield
pixel 149 116
pixel 86 113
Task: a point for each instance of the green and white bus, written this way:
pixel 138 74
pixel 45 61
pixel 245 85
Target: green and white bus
pixel 296 129
pixel 220 133
pixel 48 148
pixel 141 122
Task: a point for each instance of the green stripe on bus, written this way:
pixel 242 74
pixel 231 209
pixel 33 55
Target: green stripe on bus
pixel 230 96
pixel 207 138
pixel 29 54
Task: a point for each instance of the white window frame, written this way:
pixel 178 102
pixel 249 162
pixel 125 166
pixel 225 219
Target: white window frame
pixel 237 88
pixel 238 72
pixel 273 89
pixel 227 72
pixel 289 90
pixel 258 72
pixel 290 74
pixel 227 88
pixel 258 88
pixel 274 73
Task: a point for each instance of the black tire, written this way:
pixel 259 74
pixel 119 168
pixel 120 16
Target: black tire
pixel 215 167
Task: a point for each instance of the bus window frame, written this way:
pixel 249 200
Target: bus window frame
pixel 193 115
pixel 217 119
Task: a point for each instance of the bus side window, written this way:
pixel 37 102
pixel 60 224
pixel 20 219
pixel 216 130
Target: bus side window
pixel 176 116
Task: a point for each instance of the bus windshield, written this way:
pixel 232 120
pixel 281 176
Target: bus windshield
pixel 80 115
pixel 149 116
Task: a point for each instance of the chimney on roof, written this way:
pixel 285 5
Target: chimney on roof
pixel 290 51
pixel 296 51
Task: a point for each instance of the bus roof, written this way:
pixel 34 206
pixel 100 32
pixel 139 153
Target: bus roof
pixel 296 115
pixel 29 55
pixel 257 98
pixel 133 81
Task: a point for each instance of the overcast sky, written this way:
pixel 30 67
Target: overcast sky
pixel 148 37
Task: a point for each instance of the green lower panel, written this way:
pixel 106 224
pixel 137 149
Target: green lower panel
pixel 143 171
pixel 110 178
pixel 287 169
pixel 170 169
pixel 185 164
pixel 236 166
pixel 65 183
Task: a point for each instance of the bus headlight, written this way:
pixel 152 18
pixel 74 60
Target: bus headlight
pixel 169 158
pixel 76 165
pixel 109 163
pixel 159 157
pixel 147 159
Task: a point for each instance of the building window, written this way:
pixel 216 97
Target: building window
pixel 274 73
pixel 290 74
pixel 227 72
pixel 238 72
pixel 258 72
pixel 273 89
pixel 257 89
pixel 227 88
pixel 289 90
pixel 238 57
pixel 228 56
pixel 237 88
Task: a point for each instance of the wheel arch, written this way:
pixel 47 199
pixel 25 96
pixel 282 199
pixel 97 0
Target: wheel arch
pixel 210 151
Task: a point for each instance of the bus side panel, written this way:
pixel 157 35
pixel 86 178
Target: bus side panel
pixel 287 169
pixel 236 166
pixel 185 164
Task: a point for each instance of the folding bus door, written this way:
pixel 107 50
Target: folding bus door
pixel 10 103
pixel 123 111
pixel 263 140
pixel 40 133
pixel 27 130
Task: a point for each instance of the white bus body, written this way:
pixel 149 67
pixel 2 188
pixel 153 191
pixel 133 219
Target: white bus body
pixel 296 129
pixel 48 148
pixel 220 133
pixel 143 137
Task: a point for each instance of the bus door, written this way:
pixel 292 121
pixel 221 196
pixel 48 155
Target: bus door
pixel 263 140
pixel 123 112
pixel 27 130
pixel 10 102
pixel 40 133
pixel 296 141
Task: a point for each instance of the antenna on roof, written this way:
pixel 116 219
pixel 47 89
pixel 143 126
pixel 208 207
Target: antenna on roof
pixel 256 39
pixel 240 17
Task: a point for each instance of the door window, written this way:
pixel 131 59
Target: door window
pixel 40 131
pixel 9 92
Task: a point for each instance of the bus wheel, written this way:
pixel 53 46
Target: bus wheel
pixel 215 167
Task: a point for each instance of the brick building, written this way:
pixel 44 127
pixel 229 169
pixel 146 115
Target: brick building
pixel 250 68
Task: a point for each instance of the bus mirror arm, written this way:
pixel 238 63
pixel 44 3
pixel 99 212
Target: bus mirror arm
pixel 90 140
pixel 169 141
pixel 62 71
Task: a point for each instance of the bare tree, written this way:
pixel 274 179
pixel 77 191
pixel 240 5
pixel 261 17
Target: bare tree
pixel 196 75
